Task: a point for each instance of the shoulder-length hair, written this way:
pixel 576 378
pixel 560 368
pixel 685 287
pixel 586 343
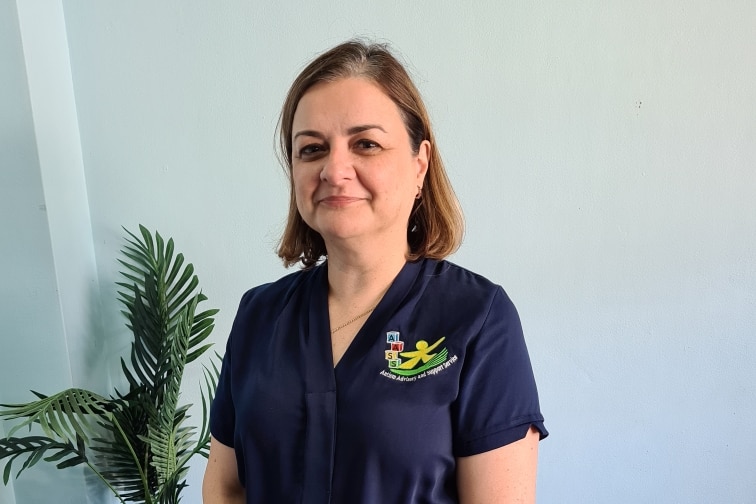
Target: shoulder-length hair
pixel 436 225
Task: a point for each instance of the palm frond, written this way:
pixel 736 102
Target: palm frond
pixel 162 432
pixel 66 416
pixel 66 454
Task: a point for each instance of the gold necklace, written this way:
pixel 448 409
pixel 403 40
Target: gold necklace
pixel 358 317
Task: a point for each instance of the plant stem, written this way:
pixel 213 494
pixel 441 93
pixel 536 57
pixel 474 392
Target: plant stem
pixel 147 496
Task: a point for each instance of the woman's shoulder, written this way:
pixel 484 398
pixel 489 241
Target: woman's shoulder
pixel 466 290
pixel 277 292
pixel 459 277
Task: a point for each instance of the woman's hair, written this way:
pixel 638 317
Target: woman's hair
pixel 436 225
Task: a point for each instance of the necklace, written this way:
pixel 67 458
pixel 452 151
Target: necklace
pixel 358 317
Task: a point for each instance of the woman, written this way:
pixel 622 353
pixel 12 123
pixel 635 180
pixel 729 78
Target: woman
pixel 383 374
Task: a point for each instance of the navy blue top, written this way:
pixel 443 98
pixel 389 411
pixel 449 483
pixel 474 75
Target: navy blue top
pixel 439 370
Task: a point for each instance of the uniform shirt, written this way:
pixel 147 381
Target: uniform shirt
pixel 439 370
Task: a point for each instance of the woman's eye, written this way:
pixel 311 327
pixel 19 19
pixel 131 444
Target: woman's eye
pixel 311 150
pixel 367 145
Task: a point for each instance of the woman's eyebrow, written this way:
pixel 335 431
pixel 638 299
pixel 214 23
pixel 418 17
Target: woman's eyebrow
pixel 353 130
pixel 364 127
pixel 311 133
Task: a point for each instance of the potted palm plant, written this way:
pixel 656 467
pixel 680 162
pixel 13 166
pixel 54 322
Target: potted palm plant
pixel 136 441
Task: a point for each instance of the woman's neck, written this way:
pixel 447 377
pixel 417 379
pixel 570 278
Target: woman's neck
pixel 359 279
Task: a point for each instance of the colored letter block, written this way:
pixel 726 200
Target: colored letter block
pixel 397 346
pixel 392 336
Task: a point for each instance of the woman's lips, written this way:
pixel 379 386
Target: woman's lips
pixel 338 201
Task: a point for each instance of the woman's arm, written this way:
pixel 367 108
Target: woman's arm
pixel 505 475
pixel 221 483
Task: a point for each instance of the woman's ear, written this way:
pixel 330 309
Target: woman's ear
pixel 422 158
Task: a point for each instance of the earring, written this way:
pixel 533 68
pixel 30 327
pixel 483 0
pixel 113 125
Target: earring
pixel 419 194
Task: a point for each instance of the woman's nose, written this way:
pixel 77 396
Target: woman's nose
pixel 337 166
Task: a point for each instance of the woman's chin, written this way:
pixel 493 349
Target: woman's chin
pixel 341 235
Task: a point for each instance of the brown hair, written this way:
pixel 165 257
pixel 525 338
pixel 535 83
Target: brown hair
pixel 435 226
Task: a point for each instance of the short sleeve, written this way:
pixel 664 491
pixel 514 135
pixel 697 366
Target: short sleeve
pixel 222 412
pixel 498 398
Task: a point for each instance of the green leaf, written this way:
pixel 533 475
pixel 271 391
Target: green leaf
pixel 176 267
pixel 147 237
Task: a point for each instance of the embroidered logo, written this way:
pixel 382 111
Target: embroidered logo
pixel 408 365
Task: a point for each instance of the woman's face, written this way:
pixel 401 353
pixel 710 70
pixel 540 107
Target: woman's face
pixel 355 174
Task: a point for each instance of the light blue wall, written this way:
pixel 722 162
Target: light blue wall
pixel 603 152
pixel 34 341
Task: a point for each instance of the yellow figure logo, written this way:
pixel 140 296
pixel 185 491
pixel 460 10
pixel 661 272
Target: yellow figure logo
pixel 422 352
